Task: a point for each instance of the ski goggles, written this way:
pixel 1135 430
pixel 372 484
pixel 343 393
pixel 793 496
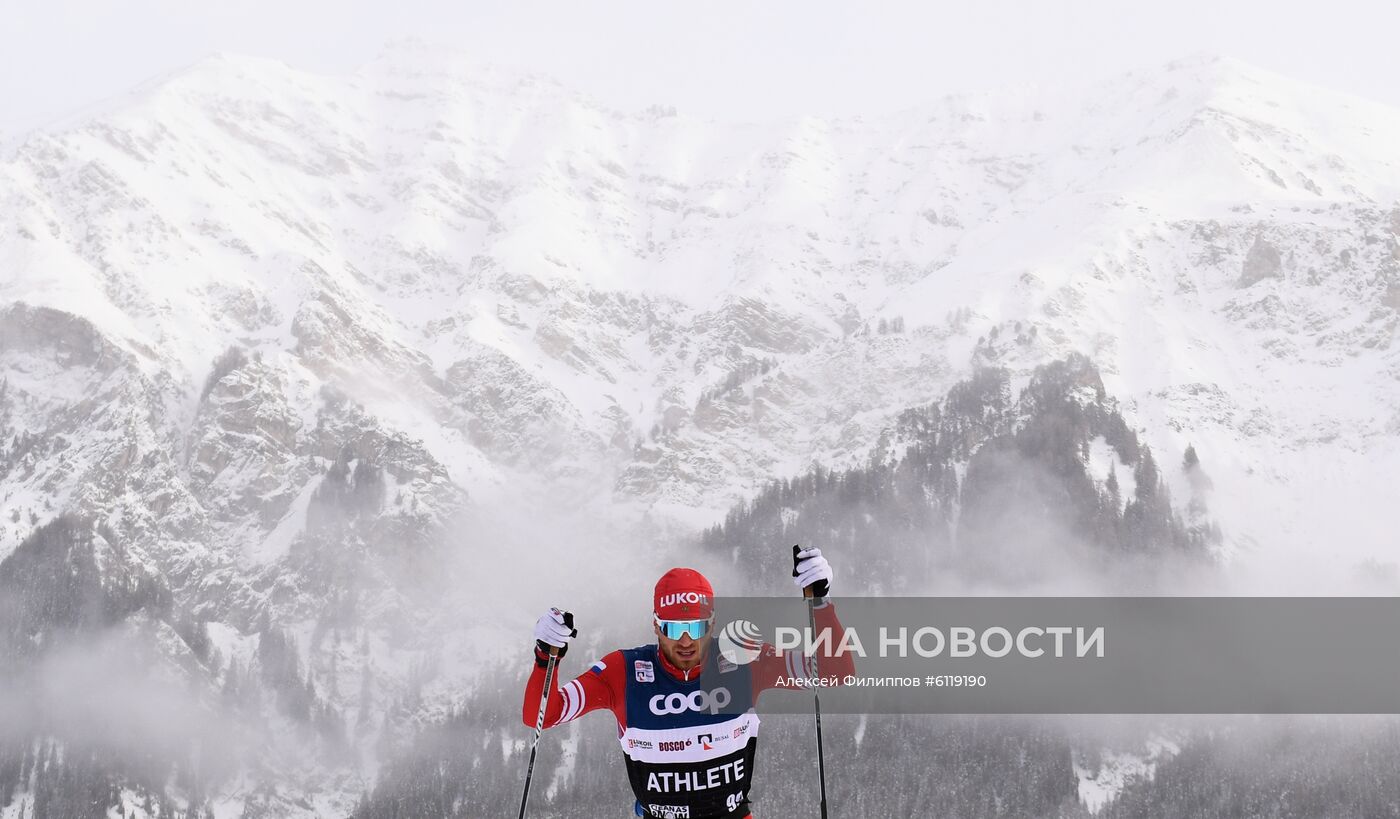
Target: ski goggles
pixel 676 629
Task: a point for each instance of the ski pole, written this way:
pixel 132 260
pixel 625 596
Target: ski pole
pixel 539 725
pixel 817 704
pixel 816 698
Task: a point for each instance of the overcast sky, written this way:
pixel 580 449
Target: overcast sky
pixel 727 60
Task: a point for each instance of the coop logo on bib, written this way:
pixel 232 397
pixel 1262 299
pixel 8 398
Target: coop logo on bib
pixel 678 703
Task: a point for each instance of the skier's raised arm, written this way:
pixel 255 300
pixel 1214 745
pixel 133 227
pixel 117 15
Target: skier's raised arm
pixel 776 669
pixel 593 689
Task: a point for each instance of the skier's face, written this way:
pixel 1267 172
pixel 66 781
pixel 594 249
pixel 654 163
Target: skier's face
pixel 685 653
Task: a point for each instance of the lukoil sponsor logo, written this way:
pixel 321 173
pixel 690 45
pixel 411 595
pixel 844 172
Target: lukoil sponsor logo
pixel 677 598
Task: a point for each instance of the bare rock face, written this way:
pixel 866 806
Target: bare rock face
pixel 1395 234
pixel 242 451
pixel 1391 297
pixel 72 341
pixel 511 414
pixel 395 494
pixel 1261 262
pixel 750 323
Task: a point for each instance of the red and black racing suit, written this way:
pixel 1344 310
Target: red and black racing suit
pixel 688 738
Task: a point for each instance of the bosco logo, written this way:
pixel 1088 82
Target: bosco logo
pixel 712 701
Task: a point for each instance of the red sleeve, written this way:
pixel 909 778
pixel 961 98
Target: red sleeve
pixel 601 686
pixel 776 669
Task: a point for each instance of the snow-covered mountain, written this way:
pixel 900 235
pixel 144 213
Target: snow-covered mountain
pixel 247 303
pixel 534 287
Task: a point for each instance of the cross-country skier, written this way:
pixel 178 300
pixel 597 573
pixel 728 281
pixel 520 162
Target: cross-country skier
pixel 684 712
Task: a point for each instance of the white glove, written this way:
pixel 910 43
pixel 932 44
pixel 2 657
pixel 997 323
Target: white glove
pixel 555 628
pixel 809 568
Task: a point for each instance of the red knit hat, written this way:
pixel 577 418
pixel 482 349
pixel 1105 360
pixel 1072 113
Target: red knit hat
pixel 683 594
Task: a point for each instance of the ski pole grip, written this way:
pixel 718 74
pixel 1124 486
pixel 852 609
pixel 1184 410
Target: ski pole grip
pixel 797 549
pixel 573 632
